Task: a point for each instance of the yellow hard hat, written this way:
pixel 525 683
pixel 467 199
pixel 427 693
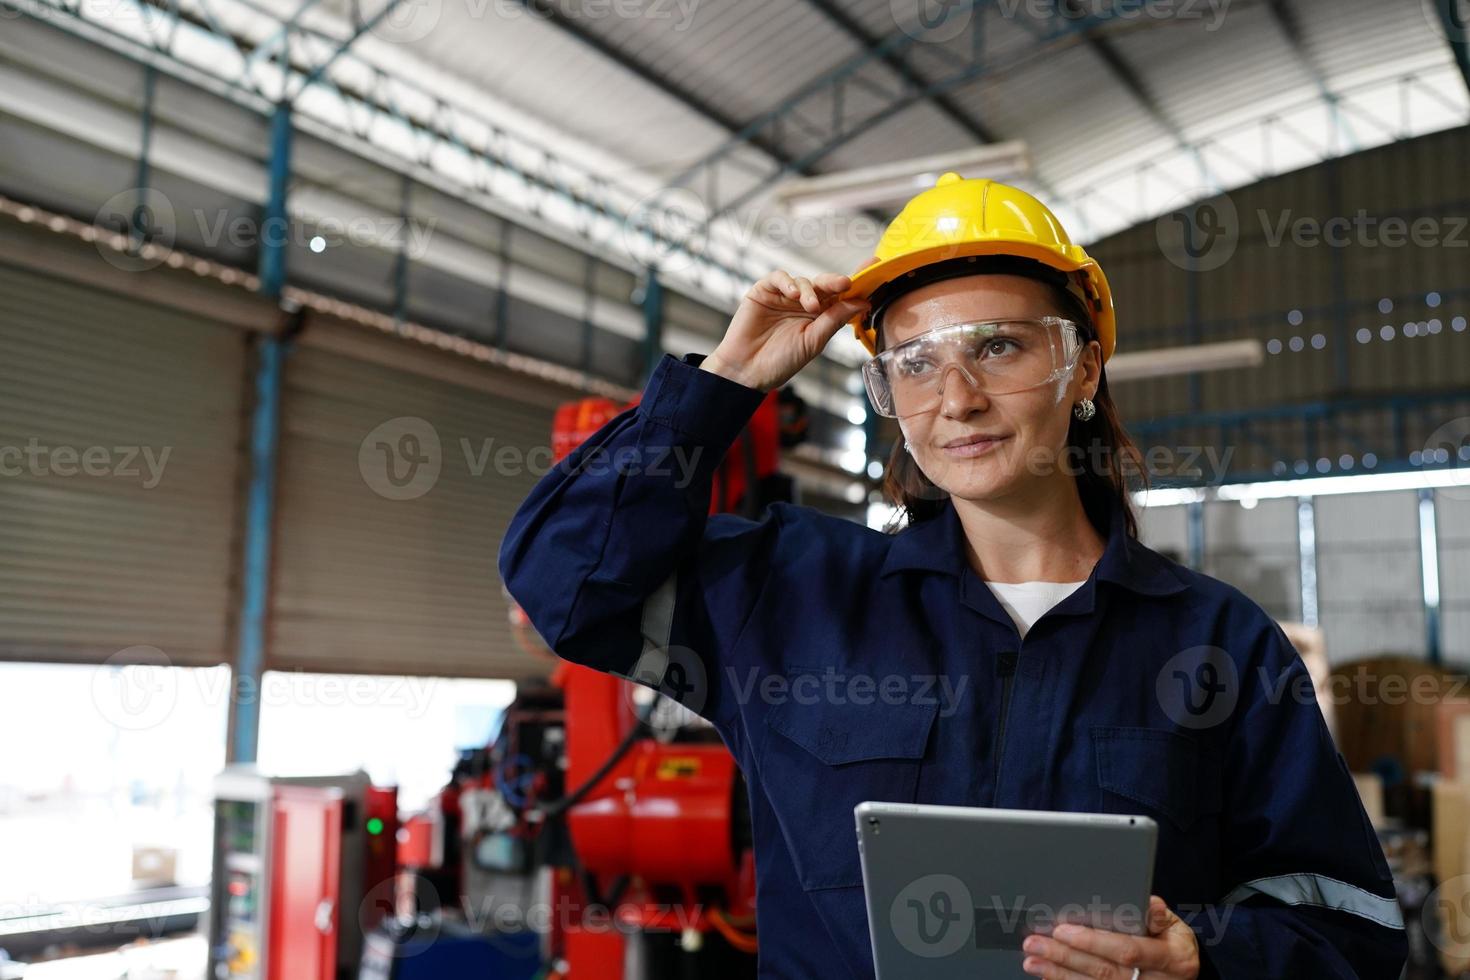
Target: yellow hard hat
pixel 959 219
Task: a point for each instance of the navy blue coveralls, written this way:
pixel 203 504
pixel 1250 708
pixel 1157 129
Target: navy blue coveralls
pixel 842 664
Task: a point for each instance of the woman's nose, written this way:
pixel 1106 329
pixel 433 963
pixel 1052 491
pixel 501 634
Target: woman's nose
pixel 960 392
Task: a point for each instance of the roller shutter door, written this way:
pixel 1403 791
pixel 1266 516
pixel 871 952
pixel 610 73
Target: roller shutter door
pixel 395 490
pixel 120 426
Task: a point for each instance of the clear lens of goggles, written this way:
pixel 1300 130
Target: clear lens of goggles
pixel 997 357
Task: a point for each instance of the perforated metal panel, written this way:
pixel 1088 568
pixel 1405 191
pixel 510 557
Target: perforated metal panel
pixel 120 424
pixel 395 490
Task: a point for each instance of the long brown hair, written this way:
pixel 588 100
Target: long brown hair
pixel 1102 481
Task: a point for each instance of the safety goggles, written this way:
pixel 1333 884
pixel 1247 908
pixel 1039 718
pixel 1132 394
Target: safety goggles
pixel 996 357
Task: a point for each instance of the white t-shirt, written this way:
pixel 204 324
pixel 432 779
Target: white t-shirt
pixel 1028 601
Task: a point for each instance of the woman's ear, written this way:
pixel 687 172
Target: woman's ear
pixel 1089 375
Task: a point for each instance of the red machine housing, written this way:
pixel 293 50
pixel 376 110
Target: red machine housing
pixel 663 815
pixel 302 867
pixel 664 812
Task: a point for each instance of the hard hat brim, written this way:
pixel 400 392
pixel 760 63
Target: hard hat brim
pixel 868 280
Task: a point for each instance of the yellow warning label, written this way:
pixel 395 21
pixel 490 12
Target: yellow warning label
pixel 678 767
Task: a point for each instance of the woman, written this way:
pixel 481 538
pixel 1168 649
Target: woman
pixel 1014 645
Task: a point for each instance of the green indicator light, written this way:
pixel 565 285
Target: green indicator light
pixel 375 826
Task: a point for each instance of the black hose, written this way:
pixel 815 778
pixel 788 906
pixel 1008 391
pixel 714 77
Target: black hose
pixel 557 807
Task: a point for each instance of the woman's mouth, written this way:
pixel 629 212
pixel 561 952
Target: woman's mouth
pixel 971 446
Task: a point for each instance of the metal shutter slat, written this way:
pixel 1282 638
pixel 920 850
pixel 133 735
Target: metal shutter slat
pixel 94 564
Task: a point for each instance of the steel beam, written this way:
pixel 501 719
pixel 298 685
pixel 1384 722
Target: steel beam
pixel 843 130
pixel 947 107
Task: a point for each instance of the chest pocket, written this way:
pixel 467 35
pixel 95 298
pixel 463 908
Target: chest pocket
pixel 820 760
pixel 1165 772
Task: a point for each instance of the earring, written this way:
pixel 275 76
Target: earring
pixel 1084 409
pixel 905 445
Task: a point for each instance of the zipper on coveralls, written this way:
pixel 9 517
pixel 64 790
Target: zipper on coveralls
pixel 1007 670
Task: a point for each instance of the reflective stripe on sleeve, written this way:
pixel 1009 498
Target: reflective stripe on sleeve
pixel 1322 892
pixel 657 626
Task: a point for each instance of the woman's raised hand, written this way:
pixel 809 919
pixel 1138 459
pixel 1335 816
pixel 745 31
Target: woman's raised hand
pixel 782 324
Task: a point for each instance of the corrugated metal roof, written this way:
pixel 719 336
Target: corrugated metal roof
pixel 660 88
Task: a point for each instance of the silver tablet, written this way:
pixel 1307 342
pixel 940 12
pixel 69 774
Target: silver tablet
pixel 952 890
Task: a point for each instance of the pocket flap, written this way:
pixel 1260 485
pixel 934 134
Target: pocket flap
pixel 850 732
pixel 1161 769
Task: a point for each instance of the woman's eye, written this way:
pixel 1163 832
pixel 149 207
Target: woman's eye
pixel 1000 347
pixel 913 366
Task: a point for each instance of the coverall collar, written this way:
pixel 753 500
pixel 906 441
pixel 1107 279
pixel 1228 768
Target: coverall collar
pixel 937 545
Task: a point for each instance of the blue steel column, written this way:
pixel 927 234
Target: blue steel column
pixel 1196 516
pixel 265 429
pixel 259 523
pixel 274 226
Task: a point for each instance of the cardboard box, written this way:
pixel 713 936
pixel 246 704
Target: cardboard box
pixel 1449 903
pixel 1311 645
pixel 154 866
pixel 1370 791
pixel 1452 736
